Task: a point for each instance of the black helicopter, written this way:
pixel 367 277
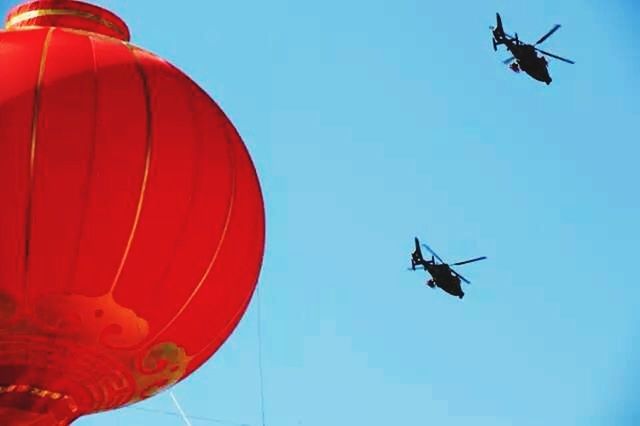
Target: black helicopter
pixel 442 274
pixel 525 55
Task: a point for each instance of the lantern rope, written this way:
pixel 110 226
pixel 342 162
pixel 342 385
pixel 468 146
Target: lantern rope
pixel 182 413
pixel 184 416
pixel 259 317
pixel 200 418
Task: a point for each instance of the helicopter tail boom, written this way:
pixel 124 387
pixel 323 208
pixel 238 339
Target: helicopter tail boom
pixel 416 256
pixel 498 31
pixel 499 23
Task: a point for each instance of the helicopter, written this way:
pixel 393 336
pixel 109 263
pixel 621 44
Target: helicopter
pixel 526 55
pixel 442 274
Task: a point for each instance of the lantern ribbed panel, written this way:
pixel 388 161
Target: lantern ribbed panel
pixel 131 224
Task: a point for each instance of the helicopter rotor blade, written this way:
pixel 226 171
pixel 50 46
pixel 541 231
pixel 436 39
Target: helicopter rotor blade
pixel 475 259
pixel 560 58
pixel 506 61
pixel 547 35
pixel 461 277
pixel 433 252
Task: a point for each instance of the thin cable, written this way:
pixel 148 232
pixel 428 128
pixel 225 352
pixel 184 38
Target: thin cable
pixel 260 354
pixel 204 419
pixel 184 416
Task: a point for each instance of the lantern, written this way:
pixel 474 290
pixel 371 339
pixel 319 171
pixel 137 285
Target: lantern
pixel 131 218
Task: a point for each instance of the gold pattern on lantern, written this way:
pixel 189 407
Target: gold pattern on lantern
pixel 33 14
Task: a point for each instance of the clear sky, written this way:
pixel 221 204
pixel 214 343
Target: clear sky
pixel 371 122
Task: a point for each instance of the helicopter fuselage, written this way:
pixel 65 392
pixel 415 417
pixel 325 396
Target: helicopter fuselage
pixel 529 61
pixel 445 279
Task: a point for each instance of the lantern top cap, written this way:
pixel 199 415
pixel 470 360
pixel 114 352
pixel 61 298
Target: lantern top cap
pixel 67 14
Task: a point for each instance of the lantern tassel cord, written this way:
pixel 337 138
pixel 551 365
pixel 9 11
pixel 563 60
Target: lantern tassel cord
pixel 180 410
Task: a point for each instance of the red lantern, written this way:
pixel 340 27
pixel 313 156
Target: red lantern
pixel 131 218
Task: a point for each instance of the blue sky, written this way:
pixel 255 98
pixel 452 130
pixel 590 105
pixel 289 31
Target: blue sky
pixel 374 121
